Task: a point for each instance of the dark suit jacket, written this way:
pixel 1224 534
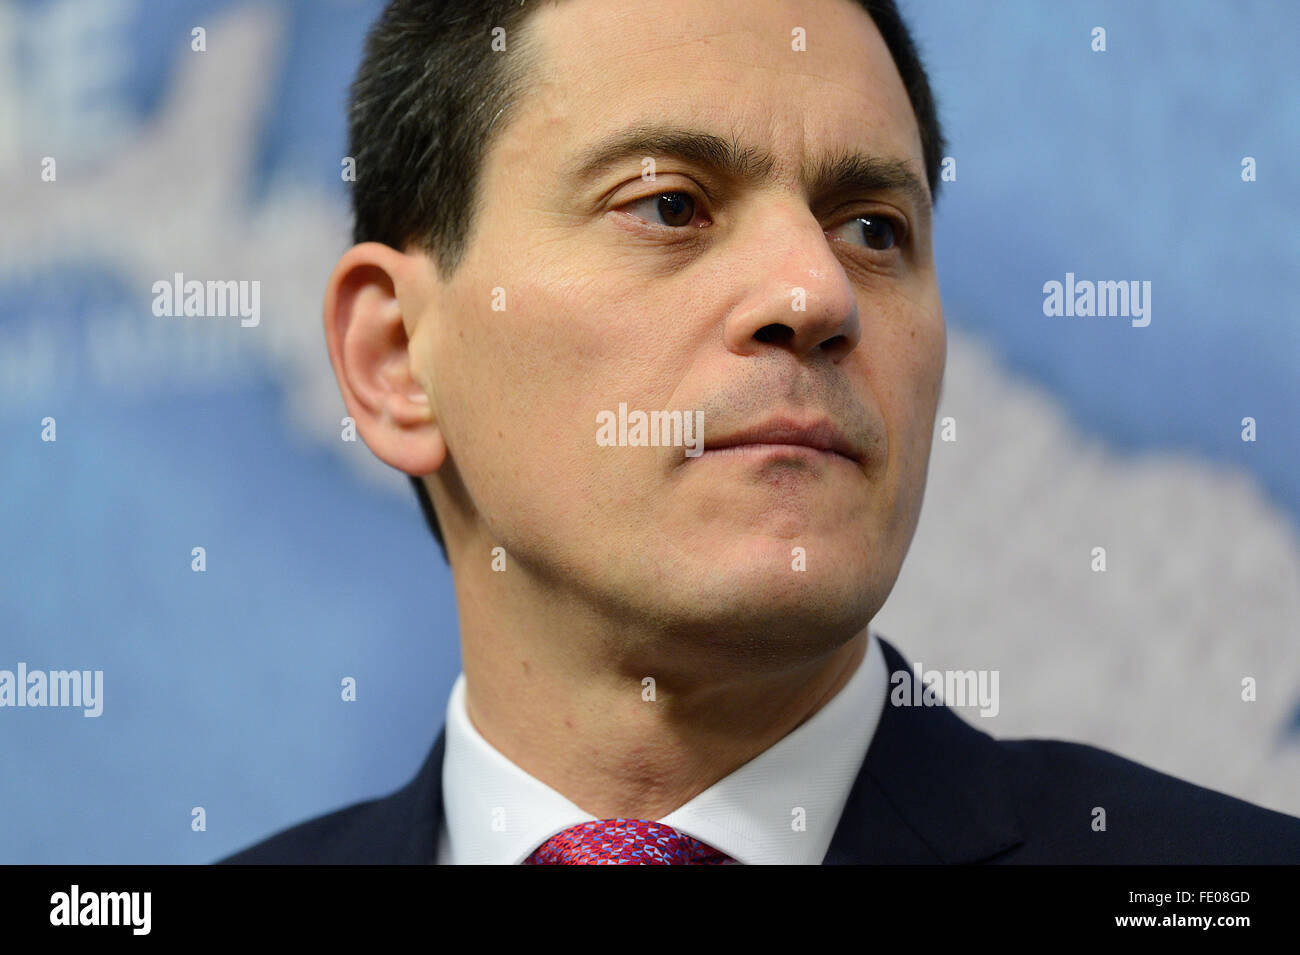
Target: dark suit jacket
pixel 932 789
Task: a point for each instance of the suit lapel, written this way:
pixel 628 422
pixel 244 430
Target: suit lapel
pixel 932 789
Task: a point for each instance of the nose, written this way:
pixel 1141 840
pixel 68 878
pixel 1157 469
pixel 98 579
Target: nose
pixel 799 297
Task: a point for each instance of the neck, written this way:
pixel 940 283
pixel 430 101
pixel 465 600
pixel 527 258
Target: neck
pixel 566 696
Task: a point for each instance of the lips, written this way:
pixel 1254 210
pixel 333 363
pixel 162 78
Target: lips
pixel 819 434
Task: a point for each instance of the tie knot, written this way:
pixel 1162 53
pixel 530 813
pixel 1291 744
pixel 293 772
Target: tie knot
pixel 624 842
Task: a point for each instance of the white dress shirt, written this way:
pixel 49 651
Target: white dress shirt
pixel 781 807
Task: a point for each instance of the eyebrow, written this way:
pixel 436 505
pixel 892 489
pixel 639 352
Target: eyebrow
pixel 840 172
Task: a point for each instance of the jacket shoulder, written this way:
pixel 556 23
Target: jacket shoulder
pixel 398 829
pixel 1093 806
pixel 341 837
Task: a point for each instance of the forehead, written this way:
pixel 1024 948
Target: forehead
pixel 799 79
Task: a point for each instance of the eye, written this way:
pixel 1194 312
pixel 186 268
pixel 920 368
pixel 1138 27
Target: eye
pixel 878 232
pixel 673 209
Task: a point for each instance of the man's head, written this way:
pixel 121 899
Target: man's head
pixel 715 206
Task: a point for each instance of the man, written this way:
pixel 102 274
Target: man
pixel 645 299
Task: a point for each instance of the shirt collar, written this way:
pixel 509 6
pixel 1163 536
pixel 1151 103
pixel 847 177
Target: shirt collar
pixel 781 807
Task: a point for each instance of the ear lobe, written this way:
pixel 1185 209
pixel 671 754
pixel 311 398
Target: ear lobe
pixel 366 332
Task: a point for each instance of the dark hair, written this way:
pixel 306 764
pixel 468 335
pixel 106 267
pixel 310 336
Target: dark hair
pixel 429 96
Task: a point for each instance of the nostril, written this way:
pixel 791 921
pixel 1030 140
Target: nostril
pixel 774 334
pixel 838 347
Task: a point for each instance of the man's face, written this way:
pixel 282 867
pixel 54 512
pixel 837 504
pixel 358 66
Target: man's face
pixel 763 301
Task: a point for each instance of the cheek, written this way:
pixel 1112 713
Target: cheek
pixel 927 350
pixel 519 389
pixel 907 387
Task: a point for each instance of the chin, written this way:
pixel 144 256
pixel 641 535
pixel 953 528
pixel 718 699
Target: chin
pixel 832 599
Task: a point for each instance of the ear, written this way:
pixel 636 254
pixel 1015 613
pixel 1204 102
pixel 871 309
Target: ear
pixel 367 334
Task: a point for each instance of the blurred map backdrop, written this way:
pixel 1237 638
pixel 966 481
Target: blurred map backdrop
pixel 222 688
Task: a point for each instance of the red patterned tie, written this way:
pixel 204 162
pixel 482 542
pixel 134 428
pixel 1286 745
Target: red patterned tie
pixel 624 842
